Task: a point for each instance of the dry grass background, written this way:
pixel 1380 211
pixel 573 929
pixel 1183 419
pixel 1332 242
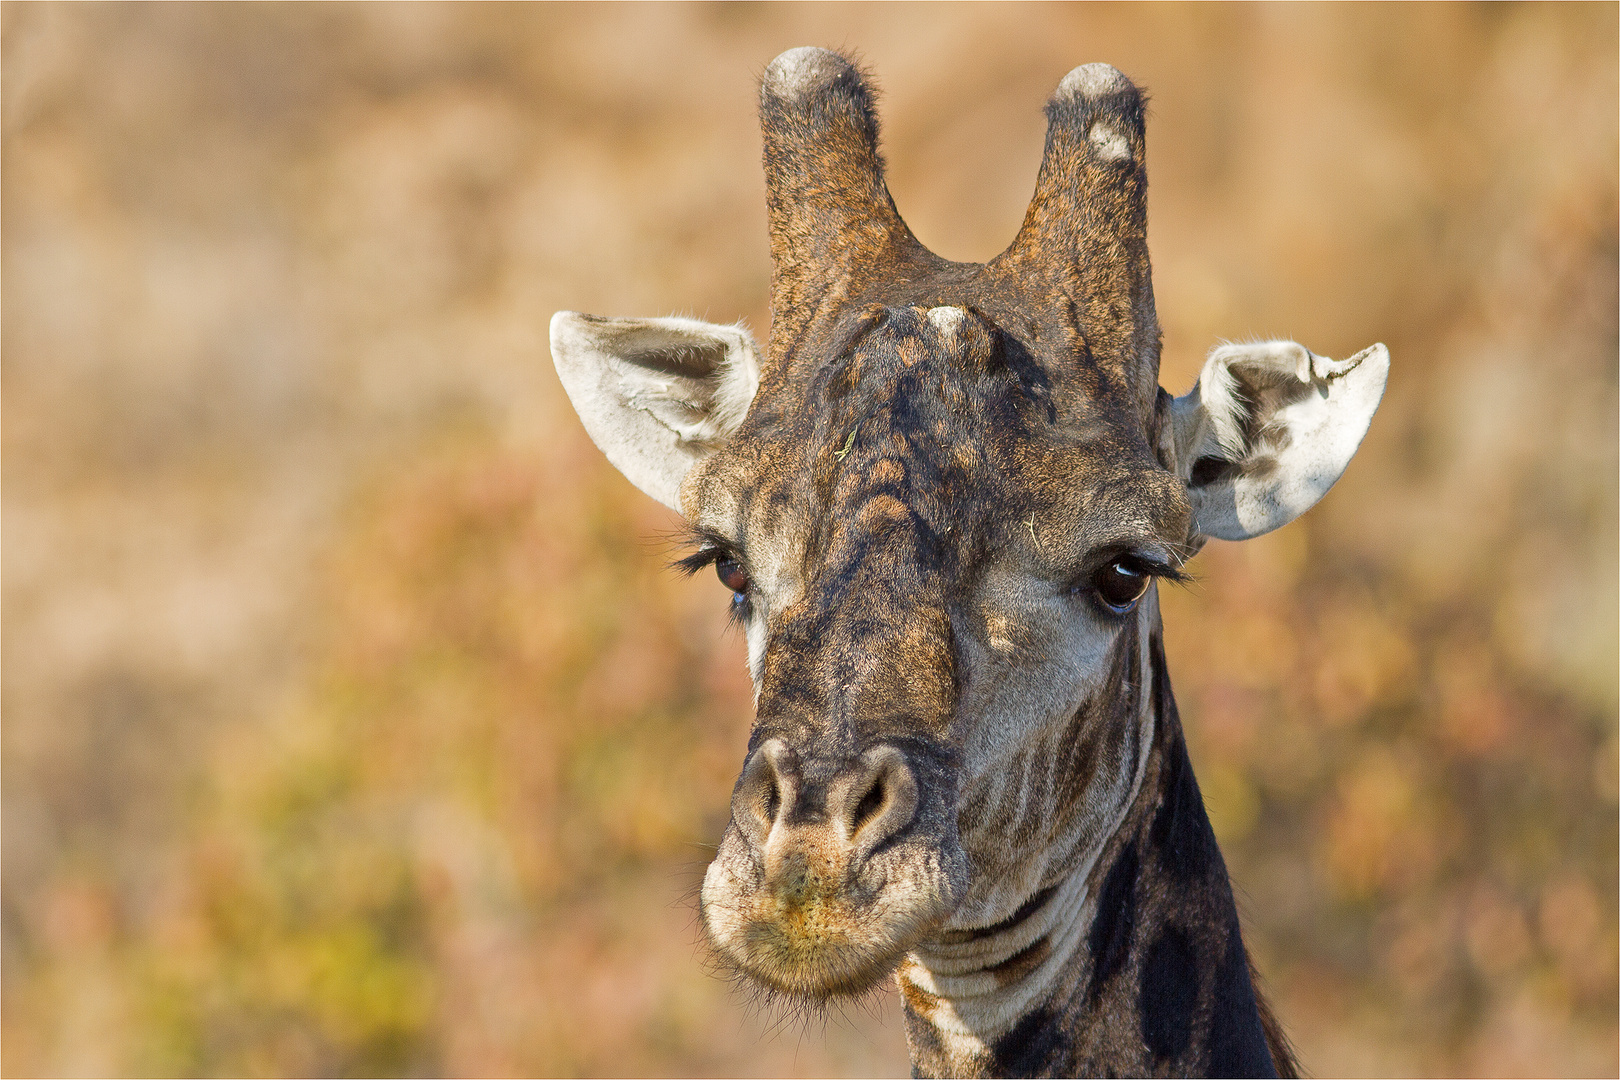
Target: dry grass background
pixel 351 723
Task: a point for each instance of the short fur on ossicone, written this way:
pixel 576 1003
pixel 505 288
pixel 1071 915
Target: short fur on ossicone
pixel 942 501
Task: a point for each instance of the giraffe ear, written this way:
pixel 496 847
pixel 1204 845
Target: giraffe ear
pixel 1267 430
pixel 655 395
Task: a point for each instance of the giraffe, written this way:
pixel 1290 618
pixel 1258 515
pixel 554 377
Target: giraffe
pixel 942 500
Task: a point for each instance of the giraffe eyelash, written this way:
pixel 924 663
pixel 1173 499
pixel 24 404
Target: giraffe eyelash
pixel 1158 568
pixel 687 565
pixel 710 550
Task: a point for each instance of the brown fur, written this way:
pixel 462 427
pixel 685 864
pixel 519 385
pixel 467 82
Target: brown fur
pixel 938 459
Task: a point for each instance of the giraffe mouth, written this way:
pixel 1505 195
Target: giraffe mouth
pixel 814 929
pixel 821 886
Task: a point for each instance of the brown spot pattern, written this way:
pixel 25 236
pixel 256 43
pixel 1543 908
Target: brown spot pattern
pixel 889 464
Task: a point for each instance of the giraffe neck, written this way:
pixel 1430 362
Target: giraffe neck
pixel 1130 964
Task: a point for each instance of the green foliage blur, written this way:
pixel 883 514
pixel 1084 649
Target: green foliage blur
pixel 353 724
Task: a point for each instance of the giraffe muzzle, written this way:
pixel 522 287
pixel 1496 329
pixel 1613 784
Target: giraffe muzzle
pixel 831 869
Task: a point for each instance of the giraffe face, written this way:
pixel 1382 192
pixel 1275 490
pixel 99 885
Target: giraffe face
pixel 938 534
pixel 940 505
pixel 934 576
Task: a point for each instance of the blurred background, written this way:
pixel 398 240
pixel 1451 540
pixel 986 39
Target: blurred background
pixel 353 725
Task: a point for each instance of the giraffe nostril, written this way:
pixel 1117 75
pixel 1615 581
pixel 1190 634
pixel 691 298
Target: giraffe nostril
pixel 765 791
pixel 773 800
pixel 869 805
pixel 887 801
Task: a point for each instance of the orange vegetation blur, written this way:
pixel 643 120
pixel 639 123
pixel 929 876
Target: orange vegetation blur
pixel 352 724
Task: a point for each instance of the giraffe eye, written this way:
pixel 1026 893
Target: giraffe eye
pixel 1120 585
pixel 731 575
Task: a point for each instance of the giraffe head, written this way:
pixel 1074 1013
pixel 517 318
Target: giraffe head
pixel 940 503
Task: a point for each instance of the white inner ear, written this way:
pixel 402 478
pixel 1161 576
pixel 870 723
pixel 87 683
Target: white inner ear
pixel 656 395
pixel 1268 429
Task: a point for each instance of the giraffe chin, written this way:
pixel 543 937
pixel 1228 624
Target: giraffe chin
pixel 805 933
